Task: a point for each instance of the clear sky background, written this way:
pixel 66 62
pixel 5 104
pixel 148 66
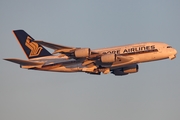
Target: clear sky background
pixel 151 94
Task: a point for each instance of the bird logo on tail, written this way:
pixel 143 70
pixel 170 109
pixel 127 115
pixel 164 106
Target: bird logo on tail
pixel 34 47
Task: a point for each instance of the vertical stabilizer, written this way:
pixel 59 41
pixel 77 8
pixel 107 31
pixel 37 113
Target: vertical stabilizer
pixel 31 48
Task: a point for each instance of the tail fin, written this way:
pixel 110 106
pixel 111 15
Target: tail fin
pixel 31 49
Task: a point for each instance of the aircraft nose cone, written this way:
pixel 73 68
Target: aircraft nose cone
pixel 175 51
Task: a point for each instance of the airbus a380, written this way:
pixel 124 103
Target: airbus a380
pixel 120 60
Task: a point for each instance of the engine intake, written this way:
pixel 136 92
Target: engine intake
pixel 82 53
pixel 108 58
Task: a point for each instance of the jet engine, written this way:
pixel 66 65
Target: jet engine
pixel 108 58
pixel 82 53
pixel 126 70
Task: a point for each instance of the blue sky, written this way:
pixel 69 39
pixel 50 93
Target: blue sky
pixel 152 93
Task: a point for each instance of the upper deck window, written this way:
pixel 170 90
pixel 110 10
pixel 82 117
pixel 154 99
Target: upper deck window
pixel 169 47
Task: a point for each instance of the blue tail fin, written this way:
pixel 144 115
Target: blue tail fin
pixel 31 49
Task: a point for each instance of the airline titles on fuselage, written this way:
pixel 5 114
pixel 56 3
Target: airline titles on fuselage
pixel 132 50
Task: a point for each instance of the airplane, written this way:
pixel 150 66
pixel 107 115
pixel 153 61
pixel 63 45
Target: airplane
pixel 119 60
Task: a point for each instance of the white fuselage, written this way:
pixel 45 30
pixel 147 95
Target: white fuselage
pixel 141 52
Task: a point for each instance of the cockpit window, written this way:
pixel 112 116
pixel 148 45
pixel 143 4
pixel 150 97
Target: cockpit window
pixel 169 47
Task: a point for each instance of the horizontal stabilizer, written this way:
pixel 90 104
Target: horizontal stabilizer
pixel 25 62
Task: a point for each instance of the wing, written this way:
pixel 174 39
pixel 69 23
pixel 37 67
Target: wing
pixel 56 47
pixel 64 49
pixel 92 60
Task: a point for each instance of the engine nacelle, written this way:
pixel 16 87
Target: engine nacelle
pixel 108 58
pixel 126 70
pixel 131 69
pixel 82 53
